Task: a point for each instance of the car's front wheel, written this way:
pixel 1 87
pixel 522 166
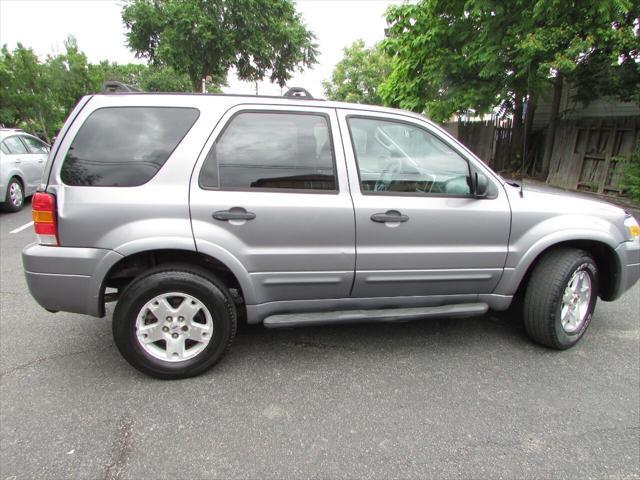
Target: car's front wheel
pixel 174 322
pixel 560 298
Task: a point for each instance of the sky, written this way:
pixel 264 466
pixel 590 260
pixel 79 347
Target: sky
pixel 44 24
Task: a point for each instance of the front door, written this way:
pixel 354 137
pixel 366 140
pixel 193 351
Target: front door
pixel 419 230
pixel 272 191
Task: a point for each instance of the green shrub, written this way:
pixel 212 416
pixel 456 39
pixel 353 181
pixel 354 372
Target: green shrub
pixel 631 175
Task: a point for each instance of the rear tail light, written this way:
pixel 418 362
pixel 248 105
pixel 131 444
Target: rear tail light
pixel 44 218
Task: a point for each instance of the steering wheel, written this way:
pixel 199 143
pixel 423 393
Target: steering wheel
pixel 384 181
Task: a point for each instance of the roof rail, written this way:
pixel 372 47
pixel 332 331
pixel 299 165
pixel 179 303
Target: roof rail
pixel 112 86
pixel 298 92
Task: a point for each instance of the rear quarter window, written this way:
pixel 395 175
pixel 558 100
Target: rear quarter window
pixel 125 146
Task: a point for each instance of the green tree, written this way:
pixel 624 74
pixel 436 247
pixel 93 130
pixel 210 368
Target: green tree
pixel 129 73
pixel 146 78
pixel 455 56
pixel 206 38
pixel 631 178
pixel 26 100
pixel 357 77
pixel 68 78
pixel 164 79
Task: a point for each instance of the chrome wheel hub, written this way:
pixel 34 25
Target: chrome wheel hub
pixel 15 194
pixel 575 302
pixel 174 327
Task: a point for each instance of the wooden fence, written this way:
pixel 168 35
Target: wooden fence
pixel 588 153
pixel 489 140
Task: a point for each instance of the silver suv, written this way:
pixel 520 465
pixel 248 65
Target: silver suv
pixel 195 212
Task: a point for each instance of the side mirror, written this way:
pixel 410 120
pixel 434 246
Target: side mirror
pixel 480 185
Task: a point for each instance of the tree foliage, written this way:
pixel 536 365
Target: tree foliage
pixel 451 56
pixel 206 38
pixel 631 178
pixel 357 77
pixel 143 77
pixel 37 95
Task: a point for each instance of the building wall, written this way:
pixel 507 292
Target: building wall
pixel 570 109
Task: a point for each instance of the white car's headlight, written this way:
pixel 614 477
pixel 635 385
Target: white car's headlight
pixel 633 229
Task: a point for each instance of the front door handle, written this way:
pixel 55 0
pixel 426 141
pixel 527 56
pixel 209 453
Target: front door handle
pixel 389 216
pixel 235 213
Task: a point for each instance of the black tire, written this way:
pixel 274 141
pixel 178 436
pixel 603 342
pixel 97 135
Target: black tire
pixel 9 204
pixel 199 283
pixel 544 297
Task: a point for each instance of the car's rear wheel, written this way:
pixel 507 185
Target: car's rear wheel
pixel 174 322
pixel 560 298
pixel 14 200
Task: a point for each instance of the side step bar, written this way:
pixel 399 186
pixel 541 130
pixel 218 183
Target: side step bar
pixel 377 315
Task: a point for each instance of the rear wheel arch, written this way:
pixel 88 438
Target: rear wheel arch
pixel 133 266
pixel 19 179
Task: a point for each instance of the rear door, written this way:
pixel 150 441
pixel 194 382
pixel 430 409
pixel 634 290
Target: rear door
pixel 37 157
pixel 22 160
pixel 419 230
pixel 271 189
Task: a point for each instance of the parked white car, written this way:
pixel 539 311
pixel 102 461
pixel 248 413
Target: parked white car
pixel 22 161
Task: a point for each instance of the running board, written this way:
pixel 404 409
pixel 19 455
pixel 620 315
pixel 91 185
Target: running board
pixel 377 315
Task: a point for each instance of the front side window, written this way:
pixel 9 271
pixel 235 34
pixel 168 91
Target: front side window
pixel 14 145
pixel 272 151
pixel 125 146
pixel 35 145
pixel 397 157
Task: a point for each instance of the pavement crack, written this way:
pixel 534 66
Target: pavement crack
pixel 37 361
pixel 121 448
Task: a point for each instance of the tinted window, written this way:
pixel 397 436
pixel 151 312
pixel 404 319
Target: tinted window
pixel 14 145
pixel 35 145
pixel 125 146
pixel 272 150
pixel 399 157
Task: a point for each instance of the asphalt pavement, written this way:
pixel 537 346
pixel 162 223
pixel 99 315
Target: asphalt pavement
pixel 448 398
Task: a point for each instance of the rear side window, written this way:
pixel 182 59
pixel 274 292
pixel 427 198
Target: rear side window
pixel 125 146
pixel 35 145
pixel 14 145
pixel 269 150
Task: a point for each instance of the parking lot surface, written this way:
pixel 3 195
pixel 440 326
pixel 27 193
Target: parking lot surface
pixel 447 398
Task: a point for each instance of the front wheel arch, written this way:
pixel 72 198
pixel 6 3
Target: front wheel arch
pixel 606 259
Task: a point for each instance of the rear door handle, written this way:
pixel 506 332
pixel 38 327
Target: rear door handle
pixel 389 216
pixel 235 213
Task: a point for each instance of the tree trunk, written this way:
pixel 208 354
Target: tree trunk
pixel 515 148
pixel 196 84
pixel 528 126
pixel 44 127
pixel 551 129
